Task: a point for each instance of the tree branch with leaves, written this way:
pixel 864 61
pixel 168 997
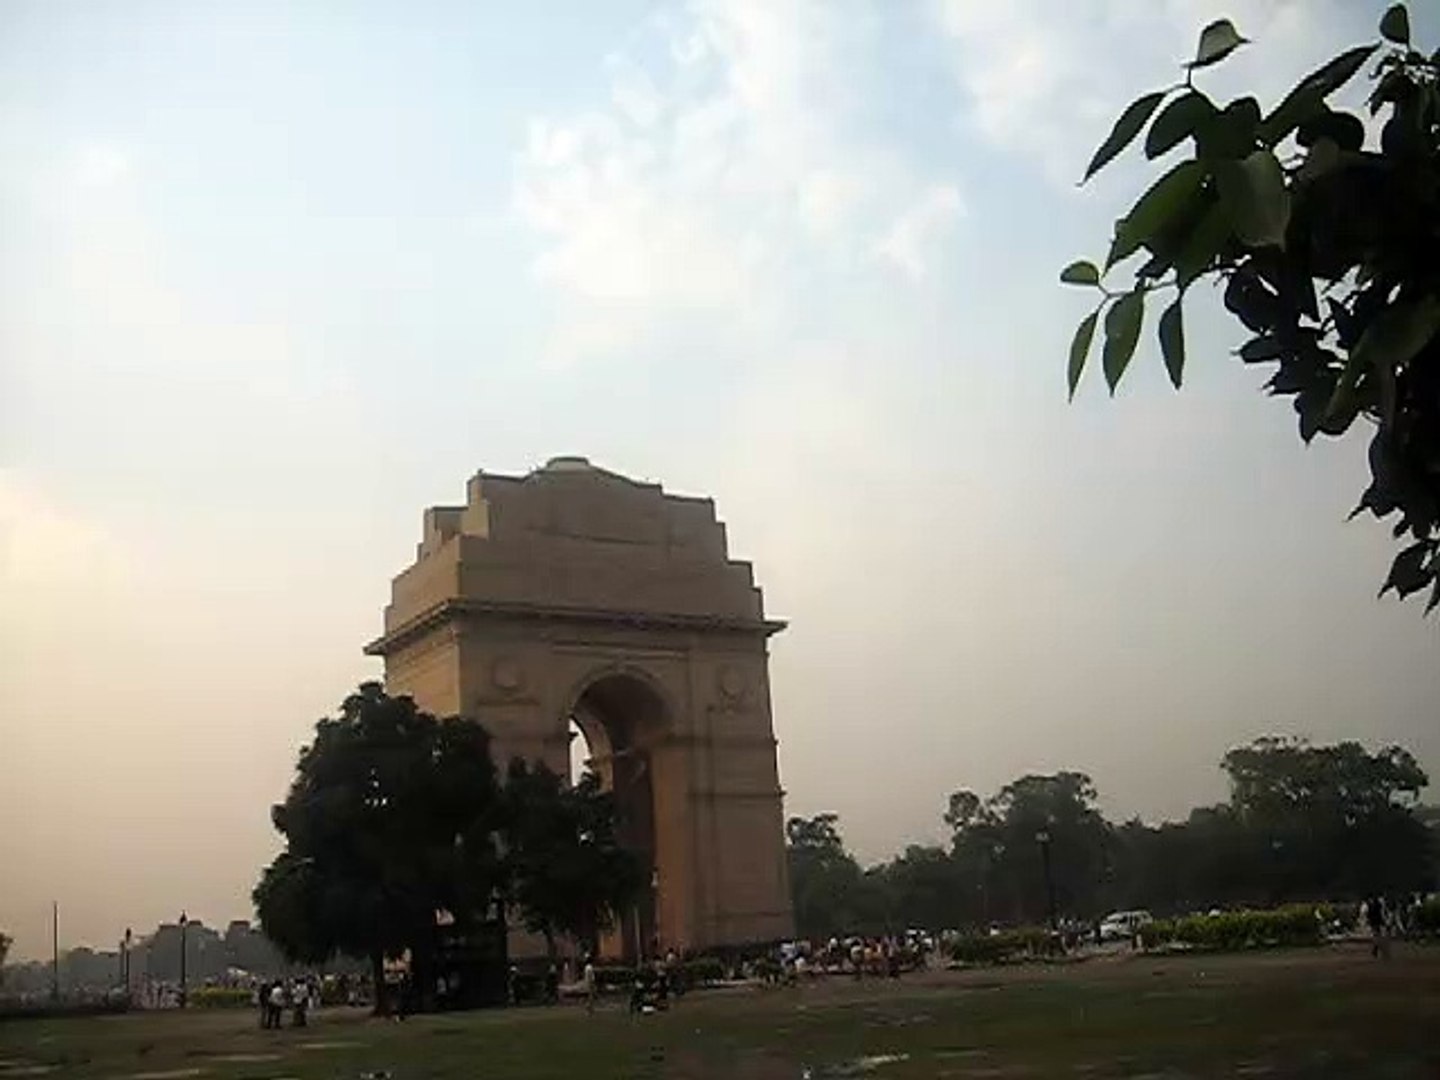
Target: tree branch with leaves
pixel 1324 239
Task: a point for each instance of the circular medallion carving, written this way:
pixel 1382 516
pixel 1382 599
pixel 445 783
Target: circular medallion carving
pixel 506 674
pixel 732 682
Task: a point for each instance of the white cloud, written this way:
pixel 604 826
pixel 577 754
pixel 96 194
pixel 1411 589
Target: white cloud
pixel 913 231
pixel 100 166
pixel 1046 80
pixel 731 152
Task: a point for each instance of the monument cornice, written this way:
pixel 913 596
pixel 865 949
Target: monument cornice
pixel 448 611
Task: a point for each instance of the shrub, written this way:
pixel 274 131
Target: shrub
pixel 1009 945
pixel 977 950
pixel 220 997
pixel 1157 933
pixel 48 1009
pixel 1427 917
pixel 613 976
pixel 338 992
pixel 1293 925
pixel 1340 916
pixel 701 970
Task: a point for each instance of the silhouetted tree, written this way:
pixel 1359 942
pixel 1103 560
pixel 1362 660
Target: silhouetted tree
pixel 922 887
pixel 825 880
pixel 1336 819
pixel 997 845
pixel 391 819
pixel 566 871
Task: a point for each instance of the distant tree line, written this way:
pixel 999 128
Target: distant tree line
pixel 1302 823
pixel 210 956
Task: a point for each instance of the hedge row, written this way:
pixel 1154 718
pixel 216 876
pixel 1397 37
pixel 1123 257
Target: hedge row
pixel 1232 931
pixel 47 1009
pixel 221 997
pixel 694 972
pixel 1006 946
pixel 1427 917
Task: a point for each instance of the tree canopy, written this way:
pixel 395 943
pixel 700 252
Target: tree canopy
pixel 564 867
pixel 824 877
pixel 396 824
pixel 999 842
pixel 390 820
pixel 1322 225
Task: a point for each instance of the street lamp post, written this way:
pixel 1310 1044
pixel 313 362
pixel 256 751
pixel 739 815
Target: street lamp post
pixel 1043 839
pixel 184 922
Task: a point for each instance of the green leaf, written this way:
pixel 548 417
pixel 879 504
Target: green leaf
pixel 1080 272
pixel 1165 199
pixel 1172 341
pixel 1408 572
pixel 1217 41
pixel 1346 131
pixel 1080 349
pixel 1205 241
pixel 1392 339
pixel 1124 131
pixel 1122 246
pixel 1310 406
pixel 1177 121
pixel 1230 133
pixel 1262 349
pixel 1254 190
pixel 1386 91
pixel 1323 156
pixel 1395 25
pixel 1252 301
pixel 1122 332
pixel 1309 94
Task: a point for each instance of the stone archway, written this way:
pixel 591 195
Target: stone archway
pixel 622 718
pixel 573 593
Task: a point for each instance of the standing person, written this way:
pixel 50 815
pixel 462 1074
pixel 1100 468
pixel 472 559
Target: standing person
pixel 276 1000
pixel 552 984
pixel 1375 917
pixel 590 980
pixel 262 997
pixel 300 998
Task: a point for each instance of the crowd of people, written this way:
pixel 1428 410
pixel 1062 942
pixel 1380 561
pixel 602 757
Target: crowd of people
pixel 858 957
pixel 1385 920
pixel 298 996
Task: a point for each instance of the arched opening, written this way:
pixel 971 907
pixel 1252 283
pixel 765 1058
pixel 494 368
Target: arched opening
pixel 618 717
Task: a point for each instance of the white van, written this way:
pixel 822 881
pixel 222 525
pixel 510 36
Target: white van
pixel 1123 925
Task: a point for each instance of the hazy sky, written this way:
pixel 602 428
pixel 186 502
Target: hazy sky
pixel 276 276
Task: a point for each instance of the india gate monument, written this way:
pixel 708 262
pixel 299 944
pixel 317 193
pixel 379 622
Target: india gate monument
pixel 577 595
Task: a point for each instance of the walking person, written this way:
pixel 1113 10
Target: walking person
pixel 589 984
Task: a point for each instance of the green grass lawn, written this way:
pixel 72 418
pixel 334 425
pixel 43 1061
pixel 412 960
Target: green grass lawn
pixel 1320 1013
